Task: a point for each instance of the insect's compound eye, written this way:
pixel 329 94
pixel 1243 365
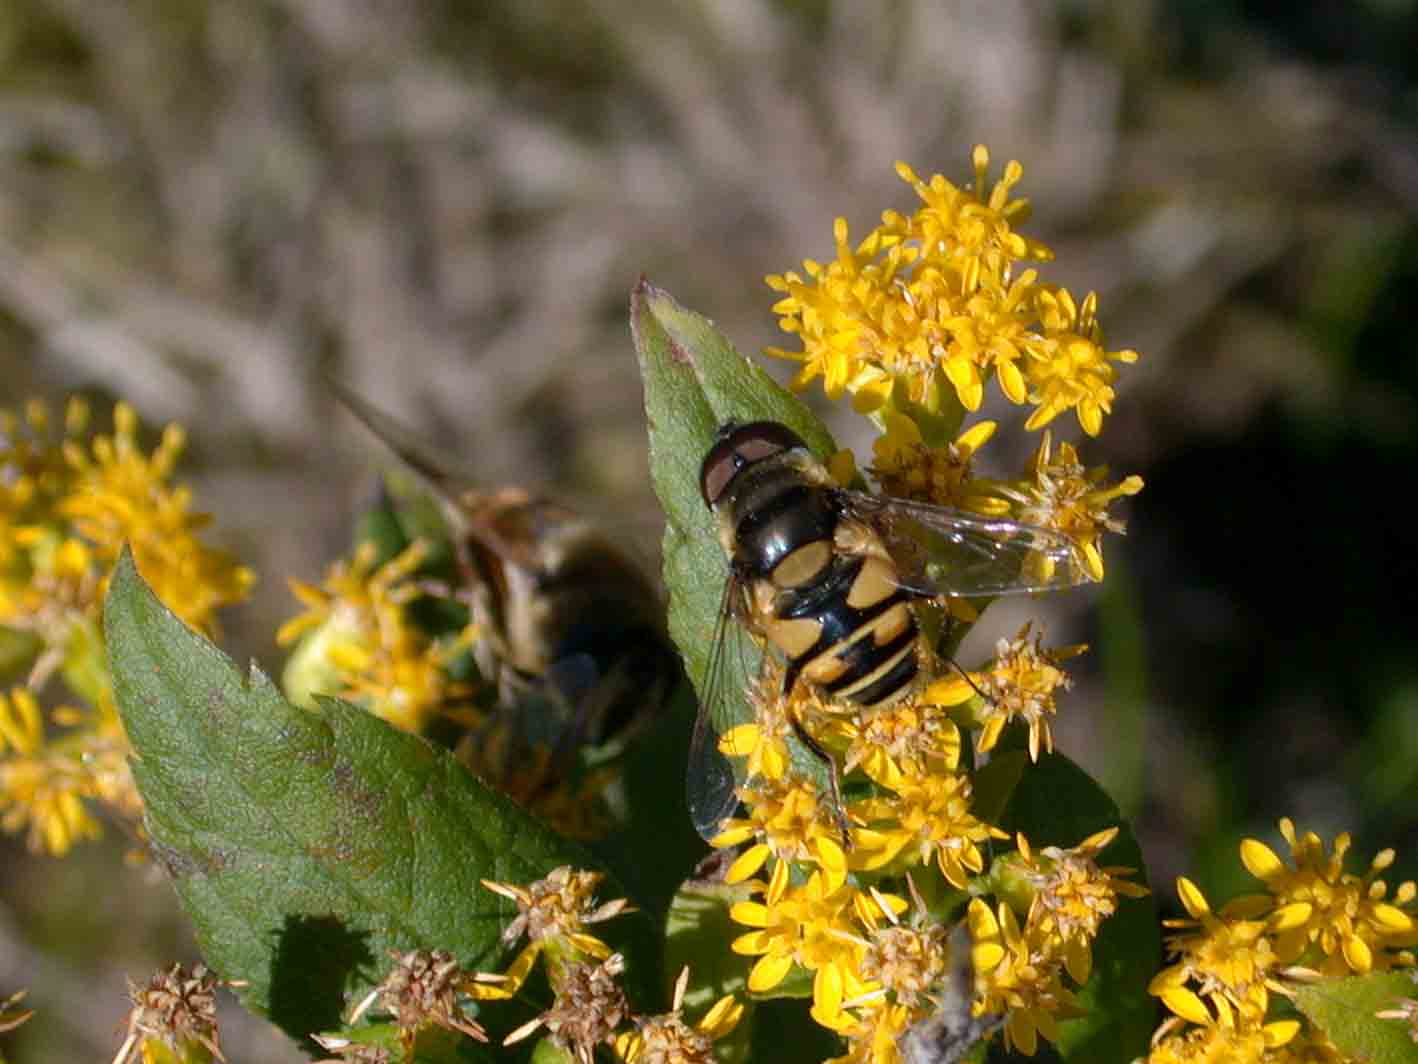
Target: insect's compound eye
pixel 738 446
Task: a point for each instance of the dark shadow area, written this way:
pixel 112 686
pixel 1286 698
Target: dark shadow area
pixel 315 962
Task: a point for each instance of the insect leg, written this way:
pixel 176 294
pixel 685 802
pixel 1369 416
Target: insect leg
pixel 834 783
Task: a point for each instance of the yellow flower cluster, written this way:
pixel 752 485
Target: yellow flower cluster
pixel 1313 920
pixel 912 322
pixel 69 503
pixel 368 648
pixel 589 1008
pixel 363 638
pixel 932 300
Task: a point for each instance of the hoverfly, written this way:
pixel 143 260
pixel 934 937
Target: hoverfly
pixel 571 632
pixel 827 578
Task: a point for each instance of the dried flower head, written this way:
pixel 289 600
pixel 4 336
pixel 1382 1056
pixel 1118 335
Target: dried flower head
pixel 176 1010
pixel 588 1008
pixel 553 912
pixel 667 1039
pixel 425 988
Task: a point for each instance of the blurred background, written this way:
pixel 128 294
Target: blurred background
pixel 206 204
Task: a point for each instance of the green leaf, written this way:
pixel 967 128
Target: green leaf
pixel 1344 1010
pixel 308 846
pixel 379 525
pixel 1056 803
pixel 995 781
pixel 697 935
pixel 695 380
pixel 785 1033
pixel 652 778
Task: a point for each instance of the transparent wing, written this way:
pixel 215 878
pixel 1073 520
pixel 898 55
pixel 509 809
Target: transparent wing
pixel 942 551
pixel 731 666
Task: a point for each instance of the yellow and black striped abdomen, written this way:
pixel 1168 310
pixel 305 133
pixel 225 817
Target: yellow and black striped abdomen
pixel 850 631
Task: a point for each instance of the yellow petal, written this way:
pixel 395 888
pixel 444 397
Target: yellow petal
pixel 753 943
pixel 1357 954
pixel 976 436
pixel 827 992
pixel 1391 918
pixel 739 741
pixel 1289 917
pixel 1279 1032
pixel 749 913
pixel 748 863
pixel 1011 381
pixel 950 691
pixel 1193 900
pixel 1260 860
pixel 1186 1005
pixel 722 1018
pixel 832 860
pixel 777 883
pixel 768 972
pixel 732 836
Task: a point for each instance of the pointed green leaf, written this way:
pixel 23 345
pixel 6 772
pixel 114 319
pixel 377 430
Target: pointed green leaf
pixel 695 380
pixel 1056 803
pixel 697 936
pixel 1344 1009
pixel 307 846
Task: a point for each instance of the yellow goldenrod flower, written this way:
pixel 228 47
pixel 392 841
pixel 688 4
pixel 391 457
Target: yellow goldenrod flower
pixel 1019 685
pixel 788 822
pixel 933 298
pixel 40 787
pixel 1071 370
pixel 120 495
pixel 903 969
pixel 906 737
pixel 926 819
pixel 1223 1034
pixel 1018 975
pixel 67 507
pixel 907 468
pixel 1072 896
pixel 873 1038
pixel 903 962
pixel 553 913
pixel 364 637
pixel 67 511
pixel 764 740
pixel 1063 495
pixel 174 1018
pixel 1226 956
pixel 812 926
pixel 667 1039
pixel 1325 918
pixel 425 988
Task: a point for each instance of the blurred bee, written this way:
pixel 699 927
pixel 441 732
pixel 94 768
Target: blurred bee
pixel 571 633
pixel 827 578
